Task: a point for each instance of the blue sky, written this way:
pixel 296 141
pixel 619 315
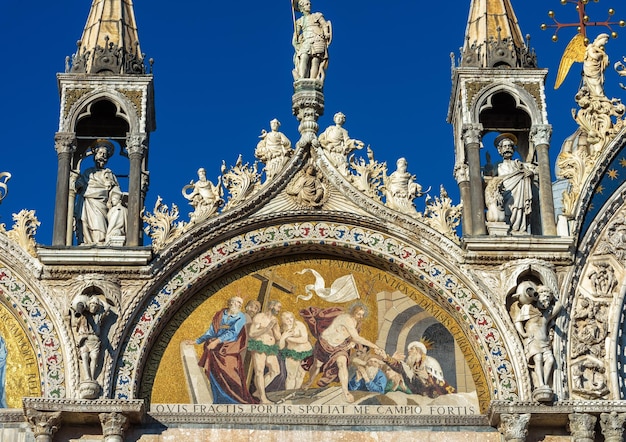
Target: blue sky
pixel 223 71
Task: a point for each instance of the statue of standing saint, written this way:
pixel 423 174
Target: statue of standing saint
pixel 94 187
pixel 311 37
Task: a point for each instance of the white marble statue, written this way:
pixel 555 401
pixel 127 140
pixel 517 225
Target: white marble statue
pixel 311 38
pixel 205 197
pixel 94 187
pixel 274 150
pixel 517 181
pixel 533 314
pixel 91 312
pixel 117 218
pixel 307 189
pixel 337 144
pixel 400 189
pixel 594 64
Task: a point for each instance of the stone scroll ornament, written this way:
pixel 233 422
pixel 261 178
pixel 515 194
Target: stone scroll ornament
pixel 4 189
pixel 311 37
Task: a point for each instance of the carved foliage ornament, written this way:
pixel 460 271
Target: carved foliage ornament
pixel 600 119
pixel 308 188
pixel 24 230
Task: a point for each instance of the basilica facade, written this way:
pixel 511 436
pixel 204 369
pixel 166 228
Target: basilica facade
pixel 305 297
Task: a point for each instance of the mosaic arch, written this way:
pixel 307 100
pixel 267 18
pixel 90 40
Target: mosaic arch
pixel 464 309
pixel 398 315
pixel 34 364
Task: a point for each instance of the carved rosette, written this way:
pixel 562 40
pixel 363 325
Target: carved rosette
pixel 612 425
pixel 582 427
pixel 44 425
pixel 514 427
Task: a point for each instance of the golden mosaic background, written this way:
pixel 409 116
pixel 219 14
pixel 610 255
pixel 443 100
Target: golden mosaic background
pixel 22 373
pixel 195 317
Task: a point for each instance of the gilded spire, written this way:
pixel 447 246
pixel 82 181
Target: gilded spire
pixel 493 38
pixel 110 42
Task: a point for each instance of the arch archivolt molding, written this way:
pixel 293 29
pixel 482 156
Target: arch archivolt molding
pixel 485 331
pixel 78 107
pixel 39 320
pixel 596 323
pixel 524 100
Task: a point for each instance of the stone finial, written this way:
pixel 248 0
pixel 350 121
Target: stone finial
pixel 110 42
pixel 514 427
pixel 582 427
pixel 494 38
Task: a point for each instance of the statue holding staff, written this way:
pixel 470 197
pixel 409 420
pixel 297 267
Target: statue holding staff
pixel 311 37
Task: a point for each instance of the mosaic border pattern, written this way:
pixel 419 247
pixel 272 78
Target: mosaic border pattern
pixel 41 330
pixel 459 297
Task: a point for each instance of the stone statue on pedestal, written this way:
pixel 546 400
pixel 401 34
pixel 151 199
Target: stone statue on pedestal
pixel 90 312
pixel 400 189
pixel 94 187
pixel 311 37
pixel 533 314
pixel 509 195
pixel 205 197
pixel 117 218
pixel 274 150
pixel 337 144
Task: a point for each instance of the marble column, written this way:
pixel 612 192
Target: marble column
pixel 612 425
pixel 514 427
pixel 461 174
pixel 113 426
pixel 43 424
pixel 582 427
pixel 65 146
pixel 471 139
pixel 540 136
pixel 135 145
